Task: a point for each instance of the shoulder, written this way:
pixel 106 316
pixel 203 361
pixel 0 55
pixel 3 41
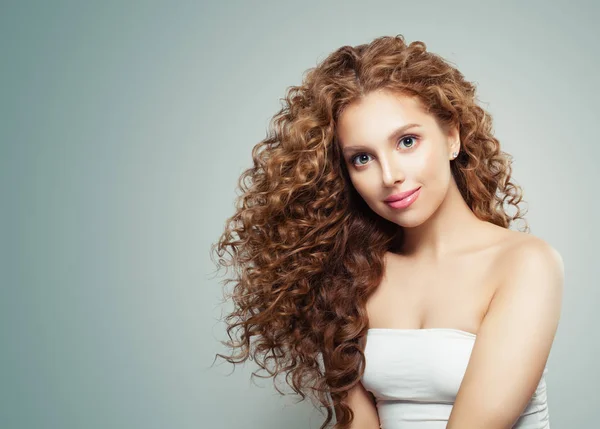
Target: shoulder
pixel 523 316
pixel 524 249
pixel 527 261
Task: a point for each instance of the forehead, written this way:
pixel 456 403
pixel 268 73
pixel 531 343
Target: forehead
pixel 377 113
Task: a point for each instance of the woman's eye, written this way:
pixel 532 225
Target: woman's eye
pixel 408 138
pixel 409 142
pixel 358 157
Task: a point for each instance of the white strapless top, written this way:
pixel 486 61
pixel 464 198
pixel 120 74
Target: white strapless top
pixel 415 375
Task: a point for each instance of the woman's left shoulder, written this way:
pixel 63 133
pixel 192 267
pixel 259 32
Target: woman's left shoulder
pixel 525 245
pixel 524 252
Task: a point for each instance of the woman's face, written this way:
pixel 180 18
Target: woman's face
pixel 390 145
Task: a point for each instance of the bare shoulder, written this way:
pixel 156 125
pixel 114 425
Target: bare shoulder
pixel 523 247
pixel 523 316
pixel 524 254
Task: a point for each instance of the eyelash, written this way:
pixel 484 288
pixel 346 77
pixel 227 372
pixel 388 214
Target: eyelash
pixel 353 157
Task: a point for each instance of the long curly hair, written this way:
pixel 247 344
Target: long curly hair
pixel 306 249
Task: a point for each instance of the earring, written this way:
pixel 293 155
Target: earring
pixel 454 155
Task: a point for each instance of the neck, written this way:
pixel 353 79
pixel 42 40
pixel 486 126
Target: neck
pixel 446 231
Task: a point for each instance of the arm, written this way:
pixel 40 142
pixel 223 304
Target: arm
pixel 513 342
pixel 363 406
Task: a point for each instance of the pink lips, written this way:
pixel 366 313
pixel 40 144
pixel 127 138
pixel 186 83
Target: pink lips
pixel 400 201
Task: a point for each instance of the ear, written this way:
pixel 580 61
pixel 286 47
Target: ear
pixel 454 139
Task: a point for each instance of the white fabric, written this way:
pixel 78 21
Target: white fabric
pixel 415 375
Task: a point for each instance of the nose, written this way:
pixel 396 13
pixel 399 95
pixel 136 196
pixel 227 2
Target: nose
pixel 391 173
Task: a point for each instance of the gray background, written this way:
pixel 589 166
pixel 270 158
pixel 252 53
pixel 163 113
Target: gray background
pixel 124 128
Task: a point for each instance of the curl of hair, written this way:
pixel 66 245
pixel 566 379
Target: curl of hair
pixel 307 250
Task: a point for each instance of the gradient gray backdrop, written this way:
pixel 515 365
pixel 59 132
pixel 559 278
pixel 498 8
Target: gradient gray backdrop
pixel 124 127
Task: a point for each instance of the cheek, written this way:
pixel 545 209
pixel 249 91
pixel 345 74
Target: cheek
pixel 423 168
pixel 364 184
pixel 436 180
pixel 433 167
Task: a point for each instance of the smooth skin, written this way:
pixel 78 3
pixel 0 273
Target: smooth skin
pixel 454 270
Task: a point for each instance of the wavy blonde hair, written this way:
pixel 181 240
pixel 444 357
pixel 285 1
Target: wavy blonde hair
pixel 307 250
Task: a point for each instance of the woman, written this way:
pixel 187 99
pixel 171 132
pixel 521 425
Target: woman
pixel 376 267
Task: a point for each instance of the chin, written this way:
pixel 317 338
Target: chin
pixel 407 218
pixel 409 221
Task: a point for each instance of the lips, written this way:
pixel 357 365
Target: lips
pixel 400 195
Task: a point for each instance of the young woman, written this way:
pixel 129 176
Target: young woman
pixel 376 267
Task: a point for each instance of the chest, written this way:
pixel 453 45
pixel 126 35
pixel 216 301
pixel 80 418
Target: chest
pixel 415 377
pixel 416 295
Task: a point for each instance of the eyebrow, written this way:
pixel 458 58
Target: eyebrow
pixel 393 136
